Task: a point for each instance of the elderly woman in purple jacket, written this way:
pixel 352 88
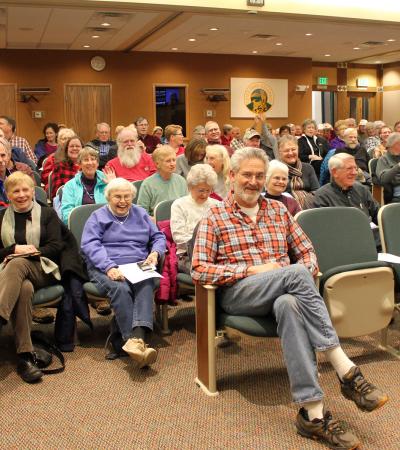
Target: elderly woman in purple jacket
pixel 121 233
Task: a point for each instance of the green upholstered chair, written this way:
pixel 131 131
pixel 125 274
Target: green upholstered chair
pixel 377 189
pixel 76 222
pixel 48 296
pixel 357 288
pixel 389 230
pixel 137 185
pixel 40 194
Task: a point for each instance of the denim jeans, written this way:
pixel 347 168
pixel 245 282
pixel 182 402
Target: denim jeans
pixel 132 303
pixel 304 326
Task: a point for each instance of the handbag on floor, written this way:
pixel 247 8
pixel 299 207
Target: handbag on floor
pixel 44 351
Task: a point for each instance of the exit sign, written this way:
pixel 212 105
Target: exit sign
pixel 255 2
pixel 323 80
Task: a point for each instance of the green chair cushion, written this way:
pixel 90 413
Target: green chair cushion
pixel 47 294
pixel 251 325
pixel 91 289
pixel 185 279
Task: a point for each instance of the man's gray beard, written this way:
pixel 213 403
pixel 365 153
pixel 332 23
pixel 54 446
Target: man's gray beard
pixel 129 158
pixel 352 146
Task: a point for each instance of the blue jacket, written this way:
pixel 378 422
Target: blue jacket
pixel 72 194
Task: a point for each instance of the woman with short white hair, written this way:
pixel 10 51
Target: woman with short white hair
pixel 276 182
pixel 122 233
pixel 217 157
pixel 187 211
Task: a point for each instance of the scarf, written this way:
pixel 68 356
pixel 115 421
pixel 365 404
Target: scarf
pixel 32 236
pixel 297 186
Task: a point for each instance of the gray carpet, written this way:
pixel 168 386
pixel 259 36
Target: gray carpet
pixel 99 404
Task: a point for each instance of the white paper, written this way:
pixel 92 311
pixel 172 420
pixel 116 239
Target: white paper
pixel 134 274
pixel 373 226
pixel 388 257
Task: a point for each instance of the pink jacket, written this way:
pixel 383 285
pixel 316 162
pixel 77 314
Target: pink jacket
pixel 168 284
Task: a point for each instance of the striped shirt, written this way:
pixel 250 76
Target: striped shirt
pixel 23 144
pixel 228 242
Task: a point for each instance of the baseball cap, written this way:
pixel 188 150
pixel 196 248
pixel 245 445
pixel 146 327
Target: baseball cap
pixel 250 134
pixel 363 122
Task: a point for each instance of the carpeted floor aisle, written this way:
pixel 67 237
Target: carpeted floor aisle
pixel 99 404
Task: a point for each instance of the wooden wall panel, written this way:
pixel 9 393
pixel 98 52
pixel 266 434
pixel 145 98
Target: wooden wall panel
pixel 8 105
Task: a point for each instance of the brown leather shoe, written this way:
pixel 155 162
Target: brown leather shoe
pixel 103 308
pixel 42 315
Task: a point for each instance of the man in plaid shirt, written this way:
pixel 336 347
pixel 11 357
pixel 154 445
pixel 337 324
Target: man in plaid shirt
pixel 8 125
pixel 264 264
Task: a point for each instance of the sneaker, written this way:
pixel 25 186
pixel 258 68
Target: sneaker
pixel 326 430
pixel 364 394
pixel 150 357
pixel 135 349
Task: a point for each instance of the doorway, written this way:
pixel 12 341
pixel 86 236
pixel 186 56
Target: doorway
pixel 170 103
pixel 85 106
pixel 362 105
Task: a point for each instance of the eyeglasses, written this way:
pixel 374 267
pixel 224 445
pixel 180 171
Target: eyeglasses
pixel 178 134
pixel 249 176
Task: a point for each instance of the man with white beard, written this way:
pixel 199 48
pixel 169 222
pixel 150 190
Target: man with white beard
pixel 132 162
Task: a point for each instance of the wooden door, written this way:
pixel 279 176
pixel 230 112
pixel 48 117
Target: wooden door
pixel 8 105
pixel 85 106
pixel 362 105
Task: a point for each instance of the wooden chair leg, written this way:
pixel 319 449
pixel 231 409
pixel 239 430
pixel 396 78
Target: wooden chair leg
pixel 164 319
pixel 205 339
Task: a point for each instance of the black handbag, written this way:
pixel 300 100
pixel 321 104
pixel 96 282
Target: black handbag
pixel 43 352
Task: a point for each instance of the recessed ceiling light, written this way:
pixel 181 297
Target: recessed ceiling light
pixel 327 54
pixel 308 34
pixel 174 49
pixel 106 24
pixel 95 36
pixel 254 51
pixel 378 62
pixel 391 40
pixel 279 43
pixel 192 40
pixel 86 46
pixel 214 29
pixel 356 48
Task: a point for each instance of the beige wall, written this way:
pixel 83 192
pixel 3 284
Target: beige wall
pixel 391 95
pixel 132 77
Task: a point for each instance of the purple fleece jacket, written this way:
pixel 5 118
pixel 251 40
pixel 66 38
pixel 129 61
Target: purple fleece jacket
pixel 107 243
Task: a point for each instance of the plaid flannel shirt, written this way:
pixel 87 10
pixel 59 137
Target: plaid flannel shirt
pixel 62 172
pixel 23 144
pixel 228 242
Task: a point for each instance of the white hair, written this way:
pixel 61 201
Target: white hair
pixel 247 153
pixel 119 183
pixel 275 166
pixel 337 161
pixel 202 173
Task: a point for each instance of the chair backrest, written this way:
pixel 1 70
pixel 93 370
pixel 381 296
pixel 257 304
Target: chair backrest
pixel 389 226
pixel 78 218
pixel 40 194
pixel 50 185
pixel 38 181
pixel 339 235
pixel 137 185
pixel 162 211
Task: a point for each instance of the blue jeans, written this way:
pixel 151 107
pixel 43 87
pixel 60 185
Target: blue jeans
pixel 304 326
pixel 132 303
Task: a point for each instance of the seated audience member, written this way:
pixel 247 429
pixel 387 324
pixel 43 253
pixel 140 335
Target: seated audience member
pixel 199 132
pixel 174 138
pixel 8 166
pixel 218 158
pixel 28 227
pixel 353 148
pixel 158 132
pixel 396 127
pixel 48 144
pixel 362 134
pixel 284 130
pixel 276 182
pixel 298 131
pixel 233 250
pixel 226 136
pixel 132 162
pixel 372 141
pixel 121 233
pixel 312 148
pixel 88 185
pixel 165 184
pixel 237 141
pixel 388 169
pixel 103 144
pixel 302 179
pixel 8 125
pixel 194 154
pixel 344 190
pixel 380 149
pixel 49 163
pixel 213 135
pixel 66 164
pixel 252 138
pixel 149 140
pixel 187 211
pixel 337 142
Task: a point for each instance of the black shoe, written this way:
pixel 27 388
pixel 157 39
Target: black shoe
pixel 116 341
pixel 326 430
pixel 27 368
pixel 364 394
pixel 2 322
